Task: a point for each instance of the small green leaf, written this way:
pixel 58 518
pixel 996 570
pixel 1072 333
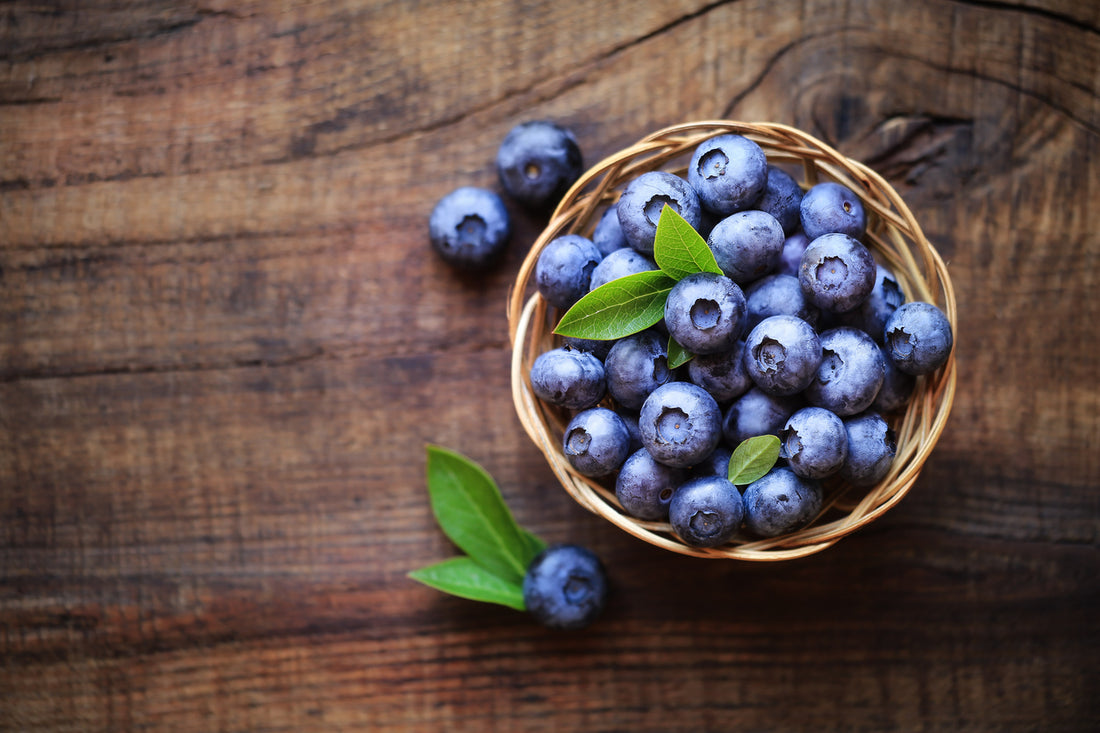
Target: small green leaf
pixel 472 513
pixel 753 458
pixel 462 577
pixel 618 308
pixel 678 249
pixel 677 355
pixel 534 546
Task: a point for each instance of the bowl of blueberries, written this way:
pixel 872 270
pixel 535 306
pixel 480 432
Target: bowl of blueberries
pixel 730 340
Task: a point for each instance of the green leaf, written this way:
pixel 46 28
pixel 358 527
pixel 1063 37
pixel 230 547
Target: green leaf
pixel 472 513
pixel 618 308
pixel 753 458
pixel 462 577
pixel 534 546
pixel 677 355
pixel 678 249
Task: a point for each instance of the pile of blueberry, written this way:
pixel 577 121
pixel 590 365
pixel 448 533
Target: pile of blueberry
pixel 803 336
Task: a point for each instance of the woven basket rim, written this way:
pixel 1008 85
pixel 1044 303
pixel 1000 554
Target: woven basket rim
pixel 893 234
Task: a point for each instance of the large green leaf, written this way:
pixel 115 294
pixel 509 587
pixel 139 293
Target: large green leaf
pixel 619 308
pixel 472 513
pixel 753 458
pixel 678 249
pixel 461 576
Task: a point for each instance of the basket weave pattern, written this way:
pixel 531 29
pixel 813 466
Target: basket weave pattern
pixel 892 234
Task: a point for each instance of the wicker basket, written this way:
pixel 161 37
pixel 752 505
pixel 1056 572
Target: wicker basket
pixel 892 233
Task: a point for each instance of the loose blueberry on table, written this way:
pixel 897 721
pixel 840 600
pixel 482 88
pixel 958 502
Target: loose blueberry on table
pixel 537 163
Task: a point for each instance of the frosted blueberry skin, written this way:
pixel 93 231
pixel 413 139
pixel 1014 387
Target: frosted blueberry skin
pixel 680 424
pixel 918 338
pixel 729 172
pixel 608 235
pixel 830 207
pixel 469 228
pixel 597 347
pixel 850 374
pixel 791 257
pixel 716 464
pixel 705 313
pixel 566 377
pixel 639 208
pixel 620 263
pixel 564 269
pixel 781 502
pixel 871 449
pixel 565 587
pixel 775 295
pixel 645 487
pixel 782 198
pixel 897 387
pixel 706 511
pixel 635 366
pixel 722 374
pixel 814 443
pixel 871 315
pixel 837 273
pixel 537 163
pixel 747 245
pixel 757 413
pixel 630 420
pixel 596 442
pixel 782 354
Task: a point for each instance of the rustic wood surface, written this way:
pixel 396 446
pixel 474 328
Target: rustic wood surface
pixel 224 344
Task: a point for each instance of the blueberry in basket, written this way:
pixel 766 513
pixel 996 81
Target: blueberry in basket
pixel 773 356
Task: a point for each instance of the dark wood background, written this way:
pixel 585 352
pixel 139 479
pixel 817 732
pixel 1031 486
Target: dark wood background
pixel 224 343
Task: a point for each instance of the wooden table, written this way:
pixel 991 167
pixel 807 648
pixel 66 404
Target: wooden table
pixel 224 344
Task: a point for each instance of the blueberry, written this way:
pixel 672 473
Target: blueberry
pixel 782 198
pixel 705 313
pixel 597 347
pixel 781 502
pixel 608 235
pixel 850 374
pixel 469 228
pixel 918 338
pixel 897 387
pixel 706 511
pixel 722 374
pixel 791 257
pixel 596 442
pixel 871 448
pixel 814 442
pixel 637 365
pixel 568 378
pixel 564 269
pixel 830 207
pixel 680 424
pixel 776 295
pixel 782 354
pixel 565 587
pixel 630 420
pixel 644 487
pixel 537 163
pixel 871 315
pixel 837 272
pixel 729 172
pixel 644 198
pixel 757 413
pixel 747 245
pixel 620 263
pixel 716 464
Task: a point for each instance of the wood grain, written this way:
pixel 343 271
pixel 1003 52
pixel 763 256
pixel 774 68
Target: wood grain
pixel 224 344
